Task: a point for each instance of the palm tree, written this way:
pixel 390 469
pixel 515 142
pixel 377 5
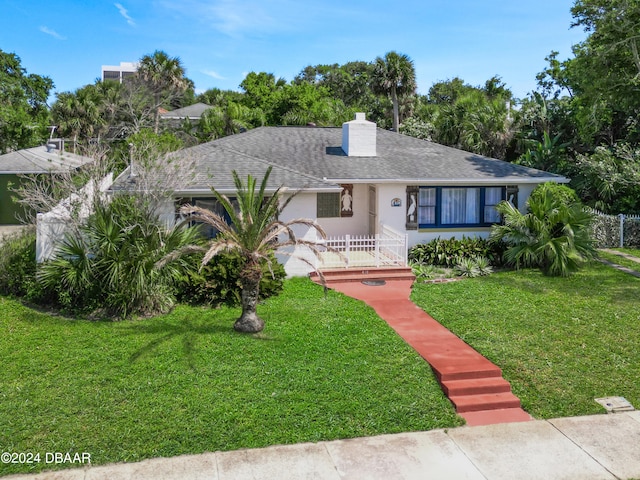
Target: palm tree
pixel 554 236
pixel 255 232
pixel 395 76
pixel 164 76
pixel 79 114
pixel 228 118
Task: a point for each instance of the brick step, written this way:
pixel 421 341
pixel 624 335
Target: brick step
pixel 450 372
pixel 364 271
pixel 361 274
pixel 491 417
pixel 475 386
pixel 488 401
pixel 363 278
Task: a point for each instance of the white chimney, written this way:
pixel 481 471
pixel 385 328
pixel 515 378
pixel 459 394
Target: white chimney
pixel 359 137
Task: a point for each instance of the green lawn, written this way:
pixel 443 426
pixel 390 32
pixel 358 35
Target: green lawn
pixel 561 342
pixel 631 251
pixel 625 262
pixel 324 368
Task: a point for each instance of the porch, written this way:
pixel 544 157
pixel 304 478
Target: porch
pixel 388 248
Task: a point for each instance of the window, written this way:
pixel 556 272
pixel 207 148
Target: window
pixel 111 75
pixel 210 204
pixel 492 197
pixel 427 206
pixel 328 205
pixel 458 206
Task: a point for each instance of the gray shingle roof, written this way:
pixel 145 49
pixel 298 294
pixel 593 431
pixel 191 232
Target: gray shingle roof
pixel 318 152
pixel 192 111
pixel 39 160
pixel 310 157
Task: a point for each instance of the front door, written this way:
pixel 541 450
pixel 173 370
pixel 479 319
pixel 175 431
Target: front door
pixel 373 210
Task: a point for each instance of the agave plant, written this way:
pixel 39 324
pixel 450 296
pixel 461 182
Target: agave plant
pixel 423 271
pixel 466 267
pixel 473 267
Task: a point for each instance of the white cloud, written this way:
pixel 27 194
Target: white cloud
pixel 213 74
pixel 53 33
pixel 249 17
pixel 123 11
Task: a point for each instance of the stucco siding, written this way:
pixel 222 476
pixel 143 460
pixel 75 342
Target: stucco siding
pixel 9 210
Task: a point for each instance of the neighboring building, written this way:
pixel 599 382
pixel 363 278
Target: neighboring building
pixel 119 73
pixel 191 112
pixel 43 160
pixel 361 181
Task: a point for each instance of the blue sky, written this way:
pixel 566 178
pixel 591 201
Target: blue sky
pixel 220 41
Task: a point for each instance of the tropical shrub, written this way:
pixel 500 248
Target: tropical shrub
pixel 218 282
pixel 554 236
pixel 447 253
pixel 560 194
pixel 112 265
pixel 18 264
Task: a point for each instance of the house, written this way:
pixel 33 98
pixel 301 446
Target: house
pixel 191 112
pixel 42 160
pixel 374 192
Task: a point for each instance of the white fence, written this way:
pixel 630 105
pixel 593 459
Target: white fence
pixel 387 248
pixel 52 226
pixel 616 230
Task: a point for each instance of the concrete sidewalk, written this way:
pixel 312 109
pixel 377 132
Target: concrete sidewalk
pixel 594 447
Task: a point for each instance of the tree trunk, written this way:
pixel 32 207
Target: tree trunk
pixel 156 115
pixel 396 110
pixel 249 322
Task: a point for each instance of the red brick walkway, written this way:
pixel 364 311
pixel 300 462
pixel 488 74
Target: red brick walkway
pixel 473 384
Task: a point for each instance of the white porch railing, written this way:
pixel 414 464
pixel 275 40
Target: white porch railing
pixel 387 248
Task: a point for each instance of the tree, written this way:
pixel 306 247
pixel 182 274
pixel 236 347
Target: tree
pixel 226 119
pixel 609 178
pixel 394 75
pixel 349 83
pixel 215 96
pixel 470 118
pixel 164 76
pixel 487 125
pixel 79 114
pixel 448 91
pixel 24 115
pixel 255 232
pixel 548 155
pixel 414 127
pixel 603 77
pixel 553 236
pixel 261 90
pixel 304 103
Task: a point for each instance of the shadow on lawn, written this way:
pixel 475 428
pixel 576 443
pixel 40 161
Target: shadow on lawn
pixel 188 330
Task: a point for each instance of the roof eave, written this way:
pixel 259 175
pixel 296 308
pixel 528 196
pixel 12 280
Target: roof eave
pixel 453 181
pixel 194 192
